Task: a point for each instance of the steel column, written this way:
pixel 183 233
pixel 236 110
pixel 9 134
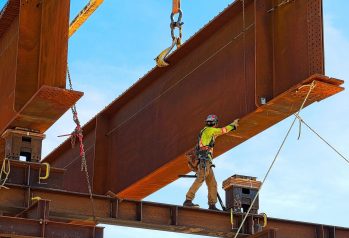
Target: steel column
pixel 33 62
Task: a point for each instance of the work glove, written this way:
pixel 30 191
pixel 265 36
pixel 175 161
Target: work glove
pixel 235 123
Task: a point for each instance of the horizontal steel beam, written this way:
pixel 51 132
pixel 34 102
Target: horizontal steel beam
pixel 243 57
pixel 73 207
pixel 119 212
pixel 267 233
pixel 251 124
pixel 22 227
pixel 35 222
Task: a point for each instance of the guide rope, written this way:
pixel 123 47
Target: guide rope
pixel 312 86
pixel 316 133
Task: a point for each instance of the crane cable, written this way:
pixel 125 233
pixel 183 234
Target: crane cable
pixel 78 133
pixel 176 9
pixel 311 87
pixel 176 40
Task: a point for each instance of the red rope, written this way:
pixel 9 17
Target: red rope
pixel 78 133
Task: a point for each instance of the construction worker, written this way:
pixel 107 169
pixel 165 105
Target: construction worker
pixel 204 153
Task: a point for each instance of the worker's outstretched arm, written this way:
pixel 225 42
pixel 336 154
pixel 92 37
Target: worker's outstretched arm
pixel 232 126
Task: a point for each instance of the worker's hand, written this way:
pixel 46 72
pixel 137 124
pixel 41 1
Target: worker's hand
pixel 236 123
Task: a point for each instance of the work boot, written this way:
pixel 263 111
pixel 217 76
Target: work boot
pixel 213 207
pixel 189 203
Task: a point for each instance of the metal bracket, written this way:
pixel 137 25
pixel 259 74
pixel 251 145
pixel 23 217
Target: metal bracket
pixel 47 174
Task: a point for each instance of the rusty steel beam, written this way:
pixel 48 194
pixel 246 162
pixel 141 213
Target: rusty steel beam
pixel 137 144
pixel 265 116
pixel 28 173
pixel 30 228
pixel 33 63
pixel 7 14
pixel 151 215
pixel 267 233
pixel 113 211
pixel 35 222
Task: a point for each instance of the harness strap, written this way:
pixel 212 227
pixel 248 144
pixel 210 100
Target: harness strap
pixel 201 146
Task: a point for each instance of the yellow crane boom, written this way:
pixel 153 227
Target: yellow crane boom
pixel 83 15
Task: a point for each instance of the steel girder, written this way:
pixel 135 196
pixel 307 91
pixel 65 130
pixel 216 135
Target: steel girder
pixel 75 208
pixel 33 64
pixel 253 51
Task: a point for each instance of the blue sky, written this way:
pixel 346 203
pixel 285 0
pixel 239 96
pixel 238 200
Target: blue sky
pixel 309 182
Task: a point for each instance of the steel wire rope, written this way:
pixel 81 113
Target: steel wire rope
pixel 312 85
pixel 82 150
pixel 324 140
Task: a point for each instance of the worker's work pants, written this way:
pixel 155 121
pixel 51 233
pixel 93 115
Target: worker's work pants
pixel 210 182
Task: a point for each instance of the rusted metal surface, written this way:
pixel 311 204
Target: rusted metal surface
pixel 7 14
pixel 288 229
pixel 262 118
pixel 46 106
pixel 23 143
pixel 119 212
pixel 239 193
pixel 265 116
pixel 150 215
pixel 42 48
pixel 137 144
pixel 35 222
pixel 28 173
pixel 268 233
pixel 33 50
pixel 38 210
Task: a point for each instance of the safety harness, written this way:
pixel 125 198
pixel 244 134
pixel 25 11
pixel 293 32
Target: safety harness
pixel 204 152
pixel 199 154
